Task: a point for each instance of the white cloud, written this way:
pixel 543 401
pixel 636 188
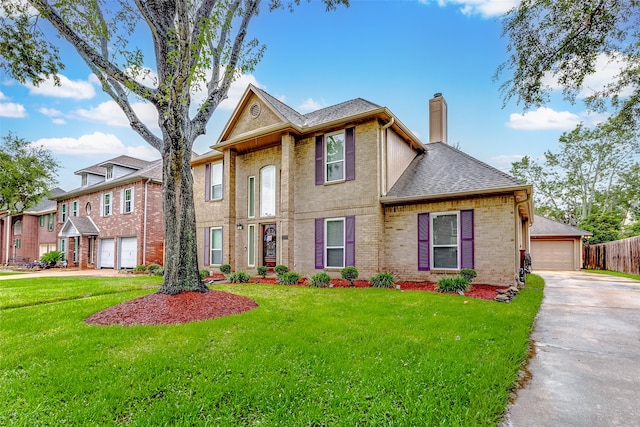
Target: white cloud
pixel 13 110
pixel 485 8
pixel 110 113
pixel 97 143
pixel 50 112
pixel 503 161
pixel 310 105
pixel 74 89
pixel 3 97
pixel 237 90
pixel 58 121
pixel 543 118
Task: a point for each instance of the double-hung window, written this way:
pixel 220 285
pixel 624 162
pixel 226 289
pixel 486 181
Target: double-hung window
pixel 106 204
pixel 334 238
pixel 216 246
pixel 216 181
pixel 74 208
pixel 334 156
pixel 63 212
pixel 127 200
pixel 445 240
pixel 335 242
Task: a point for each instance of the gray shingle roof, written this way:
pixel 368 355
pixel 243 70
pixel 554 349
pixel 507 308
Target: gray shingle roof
pixel 46 204
pixel 79 225
pixel 445 171
pixel 547 227
pixel 324 115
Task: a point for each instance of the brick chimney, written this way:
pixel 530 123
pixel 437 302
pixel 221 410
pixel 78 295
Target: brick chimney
pixel 438 119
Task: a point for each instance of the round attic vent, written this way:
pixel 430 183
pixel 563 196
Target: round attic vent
pixel 255 110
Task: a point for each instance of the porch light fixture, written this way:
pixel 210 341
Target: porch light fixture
pixel 239 226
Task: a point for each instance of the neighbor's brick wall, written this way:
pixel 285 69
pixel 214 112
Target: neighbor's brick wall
pixel 494 239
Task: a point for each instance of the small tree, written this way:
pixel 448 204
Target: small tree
pixel 350 274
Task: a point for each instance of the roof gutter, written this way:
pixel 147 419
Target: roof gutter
pixel 390 200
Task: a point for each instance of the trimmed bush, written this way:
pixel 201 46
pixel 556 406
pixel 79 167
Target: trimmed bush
pixel 238 277
pixel 383 280
pixel 280 269
pixel 262 271
pixel 350 274
pixel 52 257
pixel 225 269
pixel 468 274
pixel 153 268
pixel 320 280
pixel 452 284
pixel 289 278
pixel 204 273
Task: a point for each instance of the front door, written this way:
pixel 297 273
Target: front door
pixel 269 245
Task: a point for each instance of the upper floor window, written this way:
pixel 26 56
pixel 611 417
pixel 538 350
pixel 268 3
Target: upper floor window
pixel 106 204
pixel 63 212
pixel 127 200
pixel 41 220
pixel 268 191
pixel 109 173
pixel 50 222
pixel 335 157
pixel 17 227
pixel 251 194
pixel 74 208
pixel 213 181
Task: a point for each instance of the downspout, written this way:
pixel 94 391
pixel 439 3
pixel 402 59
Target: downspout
pixel 518 226
pixel 384 155
pixel 144 225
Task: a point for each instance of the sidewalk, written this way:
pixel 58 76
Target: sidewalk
pixel 58 272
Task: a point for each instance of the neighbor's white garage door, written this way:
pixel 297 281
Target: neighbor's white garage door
pixel 106 253
pixel 552 255
pixel 128 252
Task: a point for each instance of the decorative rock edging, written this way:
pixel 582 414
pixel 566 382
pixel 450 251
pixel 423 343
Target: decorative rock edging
pixel 506 295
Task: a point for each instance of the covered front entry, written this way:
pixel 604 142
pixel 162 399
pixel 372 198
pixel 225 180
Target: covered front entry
pixel 269 247
pixel 106 253
pixel 128 253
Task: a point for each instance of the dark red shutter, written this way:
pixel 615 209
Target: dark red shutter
pixel 319 243
pixel 319 160
pixel 466 239
pixel 207 182
pixel 350 154
pixel 207 249
pixel 423 242
pixel 350 241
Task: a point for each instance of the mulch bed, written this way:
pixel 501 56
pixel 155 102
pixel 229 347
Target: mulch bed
pixel 157 309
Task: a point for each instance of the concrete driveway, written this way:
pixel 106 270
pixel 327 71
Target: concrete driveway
pixel 586 367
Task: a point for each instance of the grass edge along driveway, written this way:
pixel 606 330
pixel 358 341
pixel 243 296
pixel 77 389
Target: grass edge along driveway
pixel 305 356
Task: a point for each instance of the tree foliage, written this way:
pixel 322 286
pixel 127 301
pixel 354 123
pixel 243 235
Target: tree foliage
pixel 562 41
pixel 27 172
pixel 592 181
pixel 198 46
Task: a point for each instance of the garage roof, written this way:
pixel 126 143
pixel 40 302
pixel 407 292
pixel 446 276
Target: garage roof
pixel 543 227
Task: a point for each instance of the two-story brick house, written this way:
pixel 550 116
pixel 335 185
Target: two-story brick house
pixel 114 219
pixel 25 237
pixel 351 185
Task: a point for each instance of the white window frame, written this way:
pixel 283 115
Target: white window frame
pixel 63 247
pixel 217 173
pixel 127 205
pixel 342 161
pixel 432 240
pixel 333 247
pixel 251 197
pixel 107 208
pixel 268 195
pixel 74 208
pixel 212 250
pixel 109 173
pixel 251 245
pixel 63 212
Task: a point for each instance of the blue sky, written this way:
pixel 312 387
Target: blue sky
pixel 396 54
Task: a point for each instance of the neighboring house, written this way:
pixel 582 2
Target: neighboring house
pixel 114 220
pixel 25 237
pixel 556 246
pixel 351 185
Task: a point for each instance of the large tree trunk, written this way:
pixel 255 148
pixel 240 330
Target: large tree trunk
pixel 181 271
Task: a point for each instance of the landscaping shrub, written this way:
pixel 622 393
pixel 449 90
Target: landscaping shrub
pixel 262 271
pixel 153 269
pixel 468 274
pixel 383 280
pixel 225 269
pixel 204 273
pixel 51 257
pixel 320 280
pixel 280 269
pixel 158 271
pixel 140 269
pixel 238 277
pixel 452 284
pixel 350 274
pixel 289 278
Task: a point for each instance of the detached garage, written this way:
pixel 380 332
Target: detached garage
pixel 555 246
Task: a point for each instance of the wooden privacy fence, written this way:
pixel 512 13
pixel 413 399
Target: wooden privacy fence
pixel 620 255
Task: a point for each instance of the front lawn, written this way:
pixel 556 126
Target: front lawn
pixel 305 356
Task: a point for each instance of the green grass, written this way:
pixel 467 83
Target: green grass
pixel 305 356
pixel 615 273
